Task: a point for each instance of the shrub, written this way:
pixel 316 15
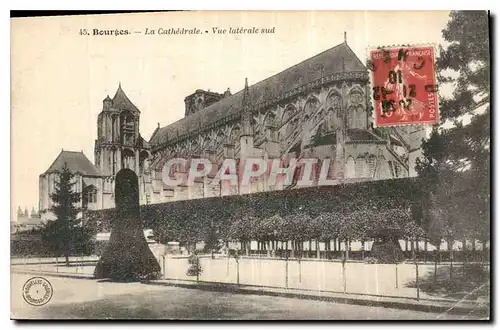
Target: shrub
pixel 195 268
pixel 371 260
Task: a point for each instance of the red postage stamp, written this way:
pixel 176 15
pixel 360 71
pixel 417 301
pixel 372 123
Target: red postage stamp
pixel 404 86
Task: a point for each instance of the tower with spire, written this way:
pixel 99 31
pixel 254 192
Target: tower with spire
pixel 119 144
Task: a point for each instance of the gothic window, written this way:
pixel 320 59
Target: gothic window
pixel 129 159
pixel 99 127
pixel 235 135
pixel 372 162
pixel 127 128
pixel 384 171
pixel 143 161
pixel 89 195
pixel 362 170
pixel 270 125
pixel 311 106
pixel 334 111
pixel 350 171
pixel 357 115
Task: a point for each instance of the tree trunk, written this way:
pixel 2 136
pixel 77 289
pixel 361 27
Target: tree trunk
pixel 425 250
pixel 346 249
pixel 300 270
pixel 227 255
pixel 164 268
pixel 294 246
pixel 397 285
pixel 247 248
pixel 237 271
pixel 451 263
pixel 417 280
pixel 317 249
pixel 344 278
pixel 362 250
pixel 438 254
pixel 286 273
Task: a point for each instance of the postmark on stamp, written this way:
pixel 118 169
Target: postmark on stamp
pixel 404 85
pixel 37 291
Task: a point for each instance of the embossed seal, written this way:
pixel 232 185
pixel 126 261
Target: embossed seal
pixel 37 291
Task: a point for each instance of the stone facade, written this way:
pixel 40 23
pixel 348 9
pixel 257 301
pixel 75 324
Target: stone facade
pixel 318 109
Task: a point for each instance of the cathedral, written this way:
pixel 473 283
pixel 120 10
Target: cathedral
pixel 319 108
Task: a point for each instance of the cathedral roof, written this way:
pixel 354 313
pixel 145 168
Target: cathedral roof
pixel 122 102
pixel 334 60
pixel 76 162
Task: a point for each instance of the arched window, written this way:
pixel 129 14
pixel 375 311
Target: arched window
pixel 350 170
pixel 235 135
pixel 128 159
pixel 143 161
pixel 357 114
pixel 384 171
pixel 127 128
pixel 333 118
pixel 311 106
pixel 89 195
pixel 372 163
pixel 362 170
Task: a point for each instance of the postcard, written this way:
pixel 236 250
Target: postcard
pixel 260 165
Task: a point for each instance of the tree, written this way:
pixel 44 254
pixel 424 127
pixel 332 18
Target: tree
pixel 455 169
pixel 127 256
pixel 60 235
pixel 195 268
pixel 242 229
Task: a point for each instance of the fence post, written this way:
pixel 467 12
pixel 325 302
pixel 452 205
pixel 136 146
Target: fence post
pixel 164 269
pixel 57 265
pixel 286 271
pixel 237 272
pixel 397 285
pixel 417 282
pixel 344 274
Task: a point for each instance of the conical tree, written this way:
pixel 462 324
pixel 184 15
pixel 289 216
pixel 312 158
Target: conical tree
pixel 58 235
pixel 127 255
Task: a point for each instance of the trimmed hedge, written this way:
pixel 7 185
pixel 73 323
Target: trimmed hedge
pixel 241 216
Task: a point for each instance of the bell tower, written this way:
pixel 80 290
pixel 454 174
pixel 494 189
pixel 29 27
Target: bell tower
pixel 119 144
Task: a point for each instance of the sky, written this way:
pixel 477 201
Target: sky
pixel 59 77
